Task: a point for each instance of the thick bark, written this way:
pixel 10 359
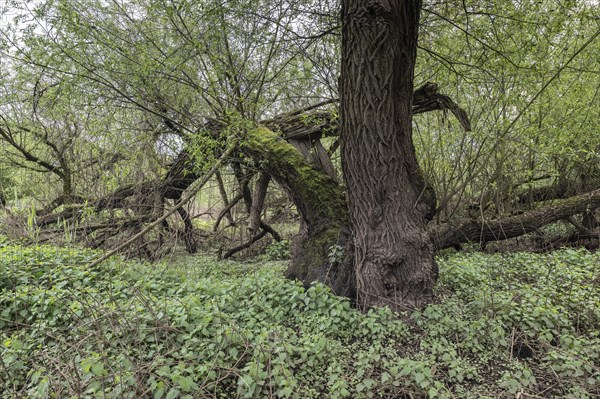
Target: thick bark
pixel 313 124
pixel 305 124
pixel 394 255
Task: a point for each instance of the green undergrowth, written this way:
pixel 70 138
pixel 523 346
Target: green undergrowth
pixel 501 326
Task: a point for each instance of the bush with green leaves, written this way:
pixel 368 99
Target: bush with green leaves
pixel 278 250
pixel 196 328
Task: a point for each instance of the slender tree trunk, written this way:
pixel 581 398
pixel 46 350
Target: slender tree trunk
pixel 224 198
pixel 67 181
pixel 258 201
pixel 394 261
pixel 188 232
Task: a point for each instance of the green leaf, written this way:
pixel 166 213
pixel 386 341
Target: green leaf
pixel 17 344
pixel 172 394
pixel 98 369
pixel 187 384
pixel 158 394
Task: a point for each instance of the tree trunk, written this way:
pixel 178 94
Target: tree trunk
pixel 320 202
pixel 394 257
pixel 480 230
pixel 224 198
pixel 258 202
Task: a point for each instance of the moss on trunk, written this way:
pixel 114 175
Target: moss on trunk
pixel 321 204
pixel 316 195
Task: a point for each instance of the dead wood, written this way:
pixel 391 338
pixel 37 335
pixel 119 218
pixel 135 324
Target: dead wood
pixel 313 123
pixel 227 210
pixel 477 230
pixel 245 245
pixel 176 207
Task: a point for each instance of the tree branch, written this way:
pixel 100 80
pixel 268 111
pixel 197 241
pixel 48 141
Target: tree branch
pixel 472 230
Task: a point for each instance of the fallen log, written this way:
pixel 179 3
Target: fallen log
pixel 480 230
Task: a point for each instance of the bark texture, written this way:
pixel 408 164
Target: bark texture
pixel 394 261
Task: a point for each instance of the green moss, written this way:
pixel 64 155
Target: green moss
pixel 319 199
pixel 313 254
pixel 316 192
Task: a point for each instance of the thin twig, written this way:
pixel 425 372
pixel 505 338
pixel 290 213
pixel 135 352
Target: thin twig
pixel 193 190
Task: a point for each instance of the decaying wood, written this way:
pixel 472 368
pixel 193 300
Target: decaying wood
pixel 426 99
pixel 310 123
pixel 146 191
pixel 59 201
pixel 258 201
pixel 478 230
pixel 313 124
pixel 184 200
pixel 245 245
pixel 304 128
pixel 226 210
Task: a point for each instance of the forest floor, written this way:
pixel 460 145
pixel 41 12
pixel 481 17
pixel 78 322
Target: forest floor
pixel 502 326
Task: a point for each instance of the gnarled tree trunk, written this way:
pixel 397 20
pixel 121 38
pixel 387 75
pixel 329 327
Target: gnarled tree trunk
pixel 320 202
pixel 394 255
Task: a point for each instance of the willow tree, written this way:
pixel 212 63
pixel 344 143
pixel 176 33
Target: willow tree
pixel 202 70
pixel 394 255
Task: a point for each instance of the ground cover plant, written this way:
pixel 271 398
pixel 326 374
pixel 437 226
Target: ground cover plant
pixel 518 325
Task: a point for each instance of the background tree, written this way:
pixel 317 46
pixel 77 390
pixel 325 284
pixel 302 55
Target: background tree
pixel 507 64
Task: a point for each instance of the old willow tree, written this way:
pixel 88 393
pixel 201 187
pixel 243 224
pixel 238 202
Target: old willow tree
pixel 394 256
pixel 205 70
